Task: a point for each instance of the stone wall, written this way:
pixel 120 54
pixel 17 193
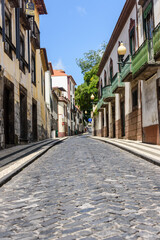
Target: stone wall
pixel 118 129
pixel 133 128
pixel 151 134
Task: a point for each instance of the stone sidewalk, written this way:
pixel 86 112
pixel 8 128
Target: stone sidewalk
pixel 148 152
pixel 14 159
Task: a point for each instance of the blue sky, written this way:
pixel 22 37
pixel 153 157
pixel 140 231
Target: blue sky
pixel 73 27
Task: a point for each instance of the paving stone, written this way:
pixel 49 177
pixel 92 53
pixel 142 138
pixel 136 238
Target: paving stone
pixel 82 189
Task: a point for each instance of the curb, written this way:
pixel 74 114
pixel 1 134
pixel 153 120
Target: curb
pixel 148 159
pixel 13 173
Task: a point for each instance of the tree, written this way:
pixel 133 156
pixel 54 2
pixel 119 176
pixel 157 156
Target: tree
pixel 89 66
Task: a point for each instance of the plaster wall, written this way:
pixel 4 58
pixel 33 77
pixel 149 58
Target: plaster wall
pixel 61 117
pixel 149 103
pixel 124 36
pixel 128 98
pixel 60 81
pixel 117 107
pixel 156 4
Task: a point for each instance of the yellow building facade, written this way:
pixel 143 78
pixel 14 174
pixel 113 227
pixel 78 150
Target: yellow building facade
pixel 22 100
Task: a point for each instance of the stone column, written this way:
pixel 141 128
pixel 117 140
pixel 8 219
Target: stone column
pixel 100 124
pixel 105 122
pixel 118 116
pixel 110 120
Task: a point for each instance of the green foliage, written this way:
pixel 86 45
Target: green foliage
pixel 89 66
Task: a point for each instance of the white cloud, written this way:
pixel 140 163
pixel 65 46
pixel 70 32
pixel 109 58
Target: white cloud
pixel 59 65
pixel 81 11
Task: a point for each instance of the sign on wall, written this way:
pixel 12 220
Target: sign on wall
pixel 30 9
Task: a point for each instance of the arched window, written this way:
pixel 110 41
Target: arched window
pixel 105 78
pixel 119 59
pixel 111 69
pixel 101 87
pixel 132 38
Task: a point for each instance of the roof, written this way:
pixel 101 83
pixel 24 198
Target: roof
pixel 117 30
pixel 72 79
pixel 41 7
pixel 58 73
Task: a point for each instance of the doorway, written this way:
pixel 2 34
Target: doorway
pixel 123 119
pixel 23 114
pixel 8 106
pixel 113 120
pixel 34 119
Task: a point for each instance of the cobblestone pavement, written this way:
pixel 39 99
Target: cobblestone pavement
pixel 82 189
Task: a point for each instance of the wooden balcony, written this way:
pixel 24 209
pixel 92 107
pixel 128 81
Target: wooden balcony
pixel 24 20
pixel 101 104
pixel 156 42
pixel 126 71
pixel 117 84
pixel 107 94
pixel 143 63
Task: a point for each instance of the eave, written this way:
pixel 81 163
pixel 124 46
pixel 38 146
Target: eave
pixel 128 7
pixel 44 59
pixel 41 7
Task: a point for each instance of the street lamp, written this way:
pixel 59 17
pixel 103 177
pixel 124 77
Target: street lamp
pixel 122 51
pixel 92 97
pixel 85 112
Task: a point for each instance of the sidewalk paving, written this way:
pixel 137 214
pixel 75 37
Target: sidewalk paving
pixel 14 159
pixel 148 152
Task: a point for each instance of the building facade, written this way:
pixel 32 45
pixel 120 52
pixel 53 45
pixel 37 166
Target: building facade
pixel 24 116
pixel 129 92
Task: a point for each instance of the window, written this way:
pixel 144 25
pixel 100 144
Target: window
pixel 148 21
pixel 22 53
pixel 135 97
pixel 132 41
pixel 119 59
pixel 33 69
pixel 51 104
pixel 111 69
pixel 132 37
pixel 7 46
pixel 101 88
pixel 105 78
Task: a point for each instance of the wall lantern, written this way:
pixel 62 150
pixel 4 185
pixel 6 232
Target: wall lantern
pixel 121 52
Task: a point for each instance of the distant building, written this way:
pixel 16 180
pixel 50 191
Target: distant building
pixel 62 80
pixel 62 111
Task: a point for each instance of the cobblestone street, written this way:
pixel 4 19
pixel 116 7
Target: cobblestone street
pixel 82 189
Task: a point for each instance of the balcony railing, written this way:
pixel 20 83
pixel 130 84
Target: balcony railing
pixel 107 93
pixel 117 84
pixel 156 41
pixel 126 70
pixel 101 104
pixel 24 20
pixel 143 63
pixel 35 36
